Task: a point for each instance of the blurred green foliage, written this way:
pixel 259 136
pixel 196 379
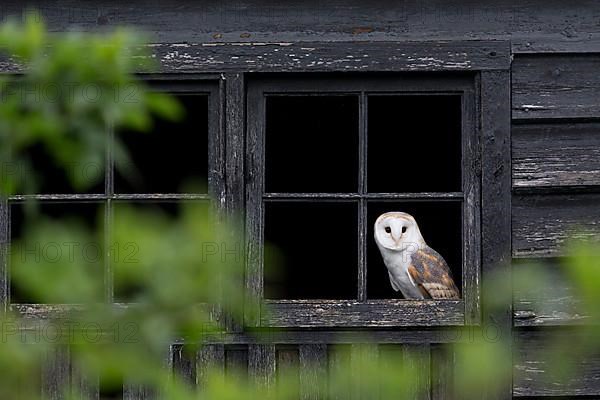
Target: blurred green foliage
pixel 76 278
pixel 74 88
pixel 180 284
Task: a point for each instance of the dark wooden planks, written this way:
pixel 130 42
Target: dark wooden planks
pixel 548 298
pixel 339 56
pixel 236 361
pixel 338 362
pixel 356 56
pixel 85 386
pixel 344 337
pixel 254 234
pixel 556 86
pixel 56 373
pixel 4 252
pixel 132 391
pixel 531 374
pixel 136 389
pixel 442 372
pixel 471 273
pixel 262 364
pixel 234 126
pixel 184 363
pixel 556 155
pixel 363 356
pixel 417 357
pixel 288 371
pixel 347 313
pixel 542 224
pixel 210 359
pixel 313 370
pixel 234 139
pixel 531 25
pixel 496 203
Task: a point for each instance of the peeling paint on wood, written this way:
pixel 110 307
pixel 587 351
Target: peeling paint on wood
pixel 531 25
pixel 532 370
pixel 340 313
pixel 556 86
pixel 559 155
pixel 552 302
pixel 542 224
pixel 339 56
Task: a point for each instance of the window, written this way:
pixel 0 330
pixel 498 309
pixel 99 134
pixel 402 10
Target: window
pixel 328 156
pixel 177 162
pixel 311 143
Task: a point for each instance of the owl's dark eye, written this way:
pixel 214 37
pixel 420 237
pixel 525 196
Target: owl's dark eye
pixel 388 229
pixel 403 229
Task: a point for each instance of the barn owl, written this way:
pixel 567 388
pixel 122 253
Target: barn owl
pixel 415 269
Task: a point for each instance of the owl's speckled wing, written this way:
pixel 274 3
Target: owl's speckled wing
pixel 432 275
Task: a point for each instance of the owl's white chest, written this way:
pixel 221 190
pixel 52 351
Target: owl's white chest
pixel 397 264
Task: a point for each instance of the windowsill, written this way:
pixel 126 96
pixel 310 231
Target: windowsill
pixel 372 313
pixel 37 312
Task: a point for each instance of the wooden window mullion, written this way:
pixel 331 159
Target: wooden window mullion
pixel 362 203
pixel 4 249
pixel 109 190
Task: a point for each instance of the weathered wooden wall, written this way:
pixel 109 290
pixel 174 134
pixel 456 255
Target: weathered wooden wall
pixel 533 26
pixel 555 133
pixel 556 196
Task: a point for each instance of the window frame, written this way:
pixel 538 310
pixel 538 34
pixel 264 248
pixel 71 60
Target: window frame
pixel 211 85
pixel 232 64
pixel 361 312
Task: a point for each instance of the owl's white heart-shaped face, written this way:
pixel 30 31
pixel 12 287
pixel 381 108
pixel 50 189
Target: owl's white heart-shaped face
pixel 398 231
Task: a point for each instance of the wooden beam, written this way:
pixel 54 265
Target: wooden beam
pixel 475 55
pixel 496 208
pixel 346 313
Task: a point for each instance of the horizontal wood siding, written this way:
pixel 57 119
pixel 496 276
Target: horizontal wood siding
pixel 556 86
pixel 542 224
pixel 309 362
pixel 532 376
pixel 549 297
pixel 531 25
pixel 561 155
pixel 556 196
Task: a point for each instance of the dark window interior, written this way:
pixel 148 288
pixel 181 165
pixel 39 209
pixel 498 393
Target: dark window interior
pixel 440 224
pixel 414 143
pixel 171 157
pixel 317 250
pixel 311 144
pixel 52 251
pixel 50 179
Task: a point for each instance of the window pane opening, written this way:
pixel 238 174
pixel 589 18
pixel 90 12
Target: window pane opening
pixel 311 144
pixel 440 224
pixel 173 157
pixel 414 143
pixel 64 235
pixel 314 250
pixel 149 239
